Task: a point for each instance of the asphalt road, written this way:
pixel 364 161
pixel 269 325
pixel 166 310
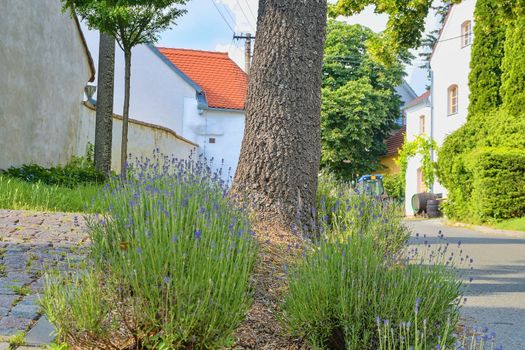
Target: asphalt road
pixel 496 296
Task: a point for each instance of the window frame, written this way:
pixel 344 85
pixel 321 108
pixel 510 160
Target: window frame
pixel 452 108
pixel 466 33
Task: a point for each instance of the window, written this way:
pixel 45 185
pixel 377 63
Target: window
pixel 421 186
pixel 466 33
pixel 211 140
pixel 452 99
pixel 422 124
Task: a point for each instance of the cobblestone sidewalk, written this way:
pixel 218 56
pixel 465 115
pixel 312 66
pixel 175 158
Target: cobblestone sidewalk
pixel 30 243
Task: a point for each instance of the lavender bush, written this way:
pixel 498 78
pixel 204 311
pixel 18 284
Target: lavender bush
pixel 362 268
pixel 172 258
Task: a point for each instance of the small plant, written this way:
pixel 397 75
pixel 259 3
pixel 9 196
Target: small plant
pixel 59 346
pixel 19 339
pixel 23 290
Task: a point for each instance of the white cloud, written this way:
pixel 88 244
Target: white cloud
pixel 235 51
pixel 244 12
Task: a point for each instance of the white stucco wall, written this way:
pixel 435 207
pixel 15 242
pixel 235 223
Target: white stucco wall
pixel 413 115
pixel 451 65
pixel 157 92
pixel 226 127
pixel 44 68
pixel 143 139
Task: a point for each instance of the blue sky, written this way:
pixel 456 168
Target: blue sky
pixel 203 28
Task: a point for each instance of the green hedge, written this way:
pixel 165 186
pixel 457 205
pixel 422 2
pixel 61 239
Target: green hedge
pixel 498 189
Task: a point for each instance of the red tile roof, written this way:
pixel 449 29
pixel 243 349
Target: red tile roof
pixel 418 100
pixel 224 83
pixel 395 141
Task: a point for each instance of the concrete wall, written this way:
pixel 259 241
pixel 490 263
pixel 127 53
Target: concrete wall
pixel 44 68
pixel 451 65
pixel 413 118
pixel 143 139
pixel 157 92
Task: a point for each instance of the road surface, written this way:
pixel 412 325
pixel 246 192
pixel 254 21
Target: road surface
pixel 496 296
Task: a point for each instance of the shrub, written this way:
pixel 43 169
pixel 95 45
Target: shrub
pixel 340 289
pixel 79 171
pixel 394 186
pixel 172 261
pixel 498 183
pixel 344 213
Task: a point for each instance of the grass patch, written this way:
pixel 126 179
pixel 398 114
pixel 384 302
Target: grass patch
pixel 517 224
pixel 22 195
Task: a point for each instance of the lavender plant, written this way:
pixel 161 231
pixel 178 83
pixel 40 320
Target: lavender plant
pixel 362 267
pixel 173 257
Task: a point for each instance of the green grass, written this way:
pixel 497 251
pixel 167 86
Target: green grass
pixel 22 195
pixel 517 224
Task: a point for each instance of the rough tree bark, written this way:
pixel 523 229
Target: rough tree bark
pixel 125 114
pixel 280 152
pixel 104 118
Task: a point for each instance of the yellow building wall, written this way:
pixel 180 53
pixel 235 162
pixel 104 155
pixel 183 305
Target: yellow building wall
pixel 390 167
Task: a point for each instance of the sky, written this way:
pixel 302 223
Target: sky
pixel 210 25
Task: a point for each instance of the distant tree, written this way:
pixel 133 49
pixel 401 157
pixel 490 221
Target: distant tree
pixel 280 153
pixel 488 50
pixel 104 117
pixel 131 23
pixel 360 104
pixel 513 67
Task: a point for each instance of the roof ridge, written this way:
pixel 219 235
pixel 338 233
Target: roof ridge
pixel 217 54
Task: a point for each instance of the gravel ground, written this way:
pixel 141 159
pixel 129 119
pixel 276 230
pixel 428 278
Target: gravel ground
pixel 30 243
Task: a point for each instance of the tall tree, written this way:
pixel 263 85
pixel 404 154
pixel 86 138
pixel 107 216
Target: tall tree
pixel 487 55
pixel 360 104
pixel 280 152
pixel 131 23
pixel 104 119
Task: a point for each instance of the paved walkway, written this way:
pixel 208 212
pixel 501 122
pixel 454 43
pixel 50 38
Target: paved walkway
pixel 30 242
pixel 496 297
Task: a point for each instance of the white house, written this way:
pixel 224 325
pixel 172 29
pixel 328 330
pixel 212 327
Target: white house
pixel 199 95
pixel 444 109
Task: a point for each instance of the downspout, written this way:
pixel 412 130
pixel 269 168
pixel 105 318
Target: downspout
pixel 432 118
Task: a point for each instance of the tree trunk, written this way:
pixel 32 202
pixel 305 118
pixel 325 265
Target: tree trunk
pixel 104 119
pixel 280 153
pixel 125 114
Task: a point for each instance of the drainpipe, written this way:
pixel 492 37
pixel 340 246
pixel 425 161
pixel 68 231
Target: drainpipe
pixel 432 117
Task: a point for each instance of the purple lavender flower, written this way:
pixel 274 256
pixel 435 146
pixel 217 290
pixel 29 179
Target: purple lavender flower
pixel 167 280
pixel 198 234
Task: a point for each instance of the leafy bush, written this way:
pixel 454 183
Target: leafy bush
pixel 459 169
pixel 498 183
pixel 394 186
pixel 79 171
pixel 340 289
pixel 172 259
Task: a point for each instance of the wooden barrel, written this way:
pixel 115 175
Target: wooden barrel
pixel 419 201
pixel 433 208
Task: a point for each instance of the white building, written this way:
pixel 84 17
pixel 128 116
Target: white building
pixel 199 95
pixel 44 65
pixel 444 109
